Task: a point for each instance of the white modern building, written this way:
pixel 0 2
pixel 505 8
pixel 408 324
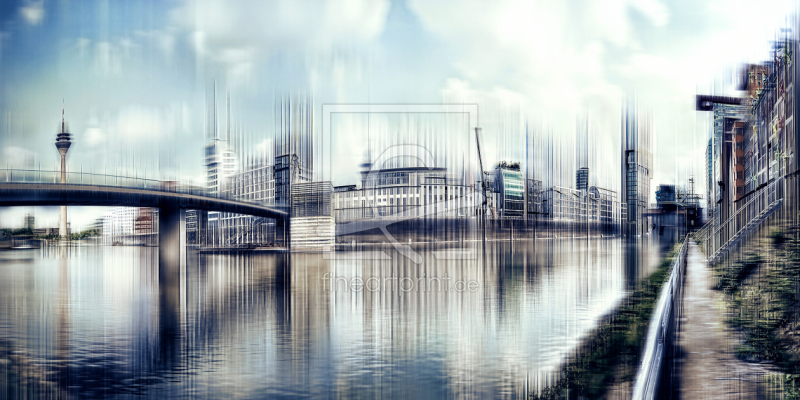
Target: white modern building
pixel 130 225
pixel 415 192
pixel 256 184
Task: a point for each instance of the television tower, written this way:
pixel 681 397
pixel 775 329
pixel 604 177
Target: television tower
pixel 62 144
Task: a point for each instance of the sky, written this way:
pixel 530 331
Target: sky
pixel 134 77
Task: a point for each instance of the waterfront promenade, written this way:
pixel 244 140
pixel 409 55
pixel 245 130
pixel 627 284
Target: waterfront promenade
pixel 708 368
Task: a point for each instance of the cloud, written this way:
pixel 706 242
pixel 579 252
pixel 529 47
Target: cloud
pixel 557 60
pixel 94 136
pixel 20 158
pixel 240 35
pixel 32 12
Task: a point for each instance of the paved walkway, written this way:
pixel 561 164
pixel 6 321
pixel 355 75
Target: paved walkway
pixel 709 368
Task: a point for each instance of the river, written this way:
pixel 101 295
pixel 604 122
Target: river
pixel 468 320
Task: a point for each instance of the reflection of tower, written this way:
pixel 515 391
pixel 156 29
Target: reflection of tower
pixel 62 144
pixel 62 312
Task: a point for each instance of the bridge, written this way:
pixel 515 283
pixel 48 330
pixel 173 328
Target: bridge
pixel 39 188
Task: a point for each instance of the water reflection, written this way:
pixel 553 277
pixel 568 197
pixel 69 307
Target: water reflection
pixel 470 320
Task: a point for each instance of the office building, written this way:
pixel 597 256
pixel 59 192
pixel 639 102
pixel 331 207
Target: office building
pixel 509 188
pixel 130 226
pixel 582 179
pixel 413 192
pixel 636 166
pixel 220 162
pixel 294 144
pixel 255 184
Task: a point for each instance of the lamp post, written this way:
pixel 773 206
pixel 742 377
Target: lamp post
pixel 62 144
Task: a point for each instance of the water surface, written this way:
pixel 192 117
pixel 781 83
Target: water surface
pixel 365 323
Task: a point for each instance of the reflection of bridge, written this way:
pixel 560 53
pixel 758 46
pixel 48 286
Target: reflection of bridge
pixel 36 188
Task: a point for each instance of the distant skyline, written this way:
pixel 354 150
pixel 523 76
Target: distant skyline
pixel 135 75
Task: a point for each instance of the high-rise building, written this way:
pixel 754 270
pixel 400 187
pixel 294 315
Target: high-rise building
pixel 582 154
pixel 255 184
pixel 637 158
pixel 582 179
pixel 510 186
pixel 220 162
pixel 29 222
pixel 294 144
pixel 709 178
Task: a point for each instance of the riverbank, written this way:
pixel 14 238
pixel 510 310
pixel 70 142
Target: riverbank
pixel 610 356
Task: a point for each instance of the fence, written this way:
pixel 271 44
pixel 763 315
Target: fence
pixel 662 328
pixel 721 235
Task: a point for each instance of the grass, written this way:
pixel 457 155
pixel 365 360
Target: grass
pixel 612 353
pixel 762 291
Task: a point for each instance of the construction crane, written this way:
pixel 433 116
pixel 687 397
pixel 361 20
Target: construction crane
pixel 484 184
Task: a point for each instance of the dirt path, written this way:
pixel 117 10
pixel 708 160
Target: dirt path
pixel 709 368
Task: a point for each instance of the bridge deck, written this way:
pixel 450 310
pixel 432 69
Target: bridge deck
pixel 48 194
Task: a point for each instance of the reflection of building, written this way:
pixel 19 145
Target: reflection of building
pixel 636 165
pixel 509 190
pixel 416 192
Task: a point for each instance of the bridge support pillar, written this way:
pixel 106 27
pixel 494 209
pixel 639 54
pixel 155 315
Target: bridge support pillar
pixel 171 281
pixel 171 240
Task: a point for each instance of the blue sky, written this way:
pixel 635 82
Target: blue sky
pixel 134 75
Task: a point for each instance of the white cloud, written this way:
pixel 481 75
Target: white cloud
pixel 20 158
pixel 32 12
pixel 564 59
pixel 94 136
pixel 239 35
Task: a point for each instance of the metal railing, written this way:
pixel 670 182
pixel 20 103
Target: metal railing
pixel 702 233
pixel 661 329
pixel 722 235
